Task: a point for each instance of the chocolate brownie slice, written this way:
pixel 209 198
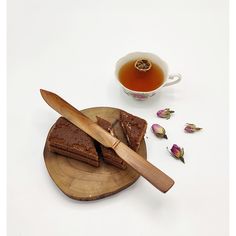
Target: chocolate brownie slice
pixel 68 140
pixel 109 154
pixel 134 129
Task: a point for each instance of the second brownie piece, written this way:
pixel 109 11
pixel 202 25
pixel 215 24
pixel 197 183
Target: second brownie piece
pixel 109 154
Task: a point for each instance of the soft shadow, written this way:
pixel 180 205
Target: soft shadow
pixel 130 190
pixel 149 201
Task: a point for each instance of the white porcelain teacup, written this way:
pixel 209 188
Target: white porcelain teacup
pixel 169 79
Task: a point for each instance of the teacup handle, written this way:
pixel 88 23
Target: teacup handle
pixel 176 79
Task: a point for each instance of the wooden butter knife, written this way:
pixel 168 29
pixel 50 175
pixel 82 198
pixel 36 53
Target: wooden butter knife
pixel 151 173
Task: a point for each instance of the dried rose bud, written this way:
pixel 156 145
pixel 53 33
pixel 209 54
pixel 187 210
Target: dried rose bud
pixel 177 152
pixel 166 113
pixel 191 128
pixel 159 131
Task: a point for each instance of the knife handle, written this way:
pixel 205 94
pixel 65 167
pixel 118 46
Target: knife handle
pixel 151 173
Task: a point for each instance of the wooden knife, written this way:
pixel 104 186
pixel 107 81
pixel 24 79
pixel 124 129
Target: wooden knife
pixel 151 173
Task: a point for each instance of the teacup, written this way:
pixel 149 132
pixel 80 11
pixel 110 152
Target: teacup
pixel 169 79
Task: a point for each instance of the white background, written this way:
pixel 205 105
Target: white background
pixel 70 47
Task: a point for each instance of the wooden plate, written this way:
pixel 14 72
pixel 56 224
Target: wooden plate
pixel 81 181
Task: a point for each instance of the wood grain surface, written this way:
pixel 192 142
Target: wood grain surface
pixel 81 181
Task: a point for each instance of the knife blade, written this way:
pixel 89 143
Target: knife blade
pixel 151 173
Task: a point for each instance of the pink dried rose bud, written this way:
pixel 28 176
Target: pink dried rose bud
pixel 166 113
pixel 159 131
pixel 191 128
pixel 177 152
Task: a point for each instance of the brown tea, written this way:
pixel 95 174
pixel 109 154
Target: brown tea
pixel 138 80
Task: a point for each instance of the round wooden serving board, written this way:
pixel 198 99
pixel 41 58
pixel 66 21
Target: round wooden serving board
pixel 81 181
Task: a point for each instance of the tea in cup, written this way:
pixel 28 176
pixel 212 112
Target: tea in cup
pixel 143 74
